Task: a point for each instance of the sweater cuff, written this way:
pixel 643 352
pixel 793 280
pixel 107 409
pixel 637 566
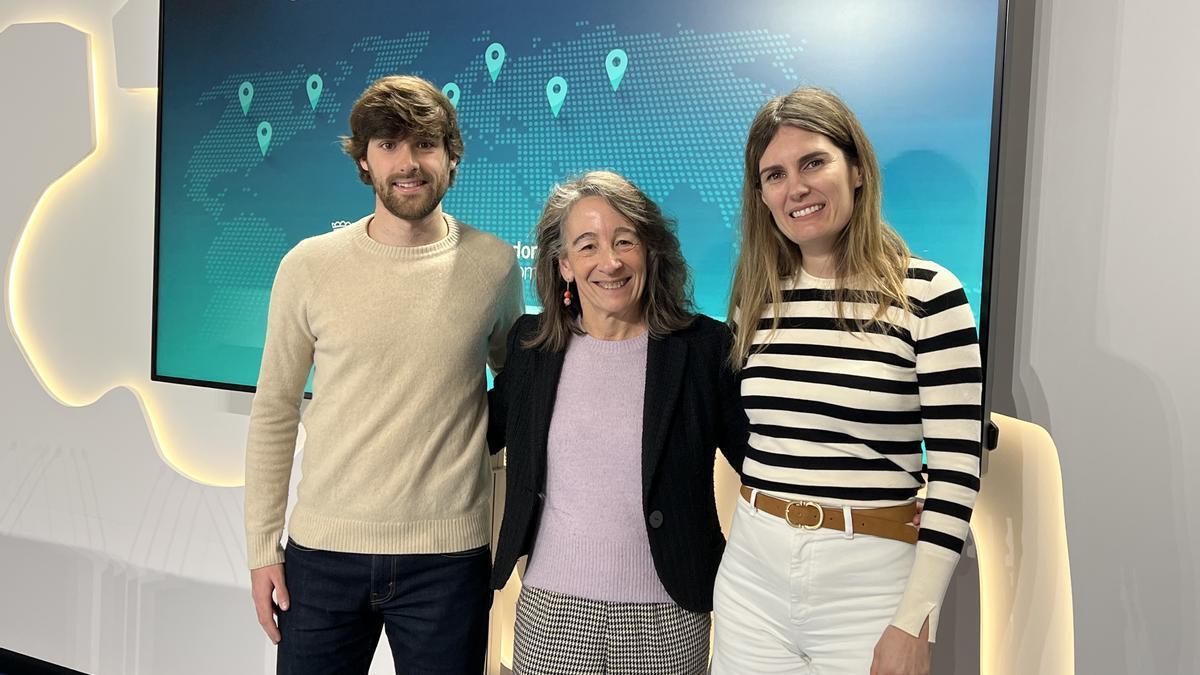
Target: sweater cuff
pixel 931 573
pixel 264 549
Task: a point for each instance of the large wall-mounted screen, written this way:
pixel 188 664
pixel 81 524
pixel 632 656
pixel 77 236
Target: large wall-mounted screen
pixel 254 97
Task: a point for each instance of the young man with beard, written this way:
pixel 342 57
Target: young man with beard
pixel 399 313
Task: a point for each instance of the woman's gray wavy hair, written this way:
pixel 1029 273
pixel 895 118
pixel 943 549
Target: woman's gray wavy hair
pixel 667 300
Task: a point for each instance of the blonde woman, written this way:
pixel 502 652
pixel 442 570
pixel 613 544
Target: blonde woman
pixel 851 352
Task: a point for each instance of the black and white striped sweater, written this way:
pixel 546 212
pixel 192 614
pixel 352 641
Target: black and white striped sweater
pixel 839 417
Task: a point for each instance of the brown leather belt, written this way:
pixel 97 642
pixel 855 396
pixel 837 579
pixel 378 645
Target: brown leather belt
pixel 892 522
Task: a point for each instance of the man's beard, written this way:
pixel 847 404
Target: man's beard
pixel 412 207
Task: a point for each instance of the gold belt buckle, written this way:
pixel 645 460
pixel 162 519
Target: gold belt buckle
pixel 787 514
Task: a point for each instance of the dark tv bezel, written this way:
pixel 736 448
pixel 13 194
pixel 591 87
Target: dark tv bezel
pixel 986 354
pixel 155 376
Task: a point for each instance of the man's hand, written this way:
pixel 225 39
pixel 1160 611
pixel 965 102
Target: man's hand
pixel 898 653
pixel 263 582
pixel 916 521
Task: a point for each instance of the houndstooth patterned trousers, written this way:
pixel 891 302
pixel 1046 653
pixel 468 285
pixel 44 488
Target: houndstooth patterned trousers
pixel 557 634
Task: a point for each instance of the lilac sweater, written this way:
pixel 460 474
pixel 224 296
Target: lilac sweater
pixel 591 541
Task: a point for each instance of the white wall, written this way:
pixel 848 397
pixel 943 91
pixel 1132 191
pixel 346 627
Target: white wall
pixel 111 561
pixel 1105 331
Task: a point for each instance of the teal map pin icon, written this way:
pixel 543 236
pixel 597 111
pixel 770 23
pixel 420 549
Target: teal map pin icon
pixel 556 93
pixel 615 63
pixel 452 92
pixel 245 95
pixel 494 56
pixel 314 86
pixel 264 136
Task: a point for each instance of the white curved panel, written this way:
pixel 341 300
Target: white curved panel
pixel 78 283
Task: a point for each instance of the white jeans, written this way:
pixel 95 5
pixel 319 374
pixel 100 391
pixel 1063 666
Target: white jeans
pixel 803 602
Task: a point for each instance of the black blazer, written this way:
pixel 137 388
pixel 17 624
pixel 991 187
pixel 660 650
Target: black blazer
pixel 691 407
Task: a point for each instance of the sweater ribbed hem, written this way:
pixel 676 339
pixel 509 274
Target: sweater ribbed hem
pixel 633 345
pixel 932 569
pixel 807 280
pixel 263 550
pixel 358 232
pixel 613 571
pixel 327 533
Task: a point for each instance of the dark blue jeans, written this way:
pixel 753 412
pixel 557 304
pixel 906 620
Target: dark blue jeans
pixel 434 608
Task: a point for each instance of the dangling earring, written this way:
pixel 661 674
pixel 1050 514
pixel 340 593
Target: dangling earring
pixel 567 295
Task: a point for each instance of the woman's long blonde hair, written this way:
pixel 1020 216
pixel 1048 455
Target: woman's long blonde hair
pixel 868 251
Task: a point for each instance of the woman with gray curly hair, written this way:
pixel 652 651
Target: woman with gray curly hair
pixel 612 405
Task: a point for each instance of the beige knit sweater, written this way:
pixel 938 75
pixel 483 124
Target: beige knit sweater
pixel 395 459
